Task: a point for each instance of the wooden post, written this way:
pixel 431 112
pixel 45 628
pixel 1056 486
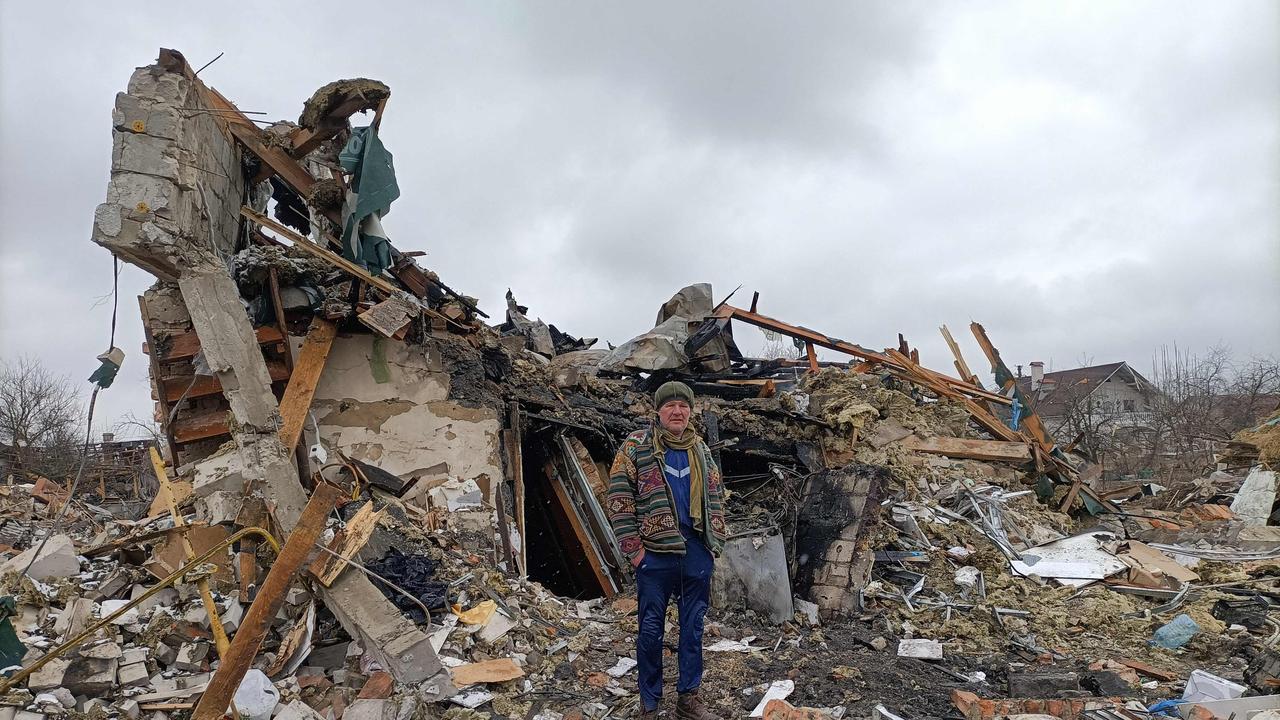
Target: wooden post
pixel 257 620
pixel 206 596
pixel 302 383
pixel 517 483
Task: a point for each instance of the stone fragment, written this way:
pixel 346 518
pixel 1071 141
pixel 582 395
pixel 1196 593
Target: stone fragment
pixel 91 676
pixel 166 655
pixel 56 560
pixel 65 697
pixel 367 709
pixel 134 675
pixel 133 655
pixel 129 708
pixel 1042 684
pixel 103 651
pixel 48 677
pixel 111 607
pixel 191 656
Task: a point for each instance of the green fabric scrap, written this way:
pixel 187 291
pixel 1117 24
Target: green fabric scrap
pixel 11 648
pixel 373 189
pixel 378 362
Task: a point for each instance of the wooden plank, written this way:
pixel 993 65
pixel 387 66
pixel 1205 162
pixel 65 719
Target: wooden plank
pixel 201 426
pixel 1148 670
pixel 323 253
pixel 812 356
pixel 202 584
pixel 964 448
pixel 346 543
pixel 517 481
pixel 257 620
pixel 820 340
pixel 961 366
pixel 298 395
pixel 165 411
pixel 177 388
pixel 489 671
pixel 186 345
pixel 594 561
pixel 278 306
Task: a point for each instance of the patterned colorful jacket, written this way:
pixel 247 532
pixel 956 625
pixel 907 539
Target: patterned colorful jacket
pixel 640 505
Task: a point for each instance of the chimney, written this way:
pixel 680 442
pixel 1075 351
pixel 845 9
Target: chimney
pixel 108 437
pixel 1037 375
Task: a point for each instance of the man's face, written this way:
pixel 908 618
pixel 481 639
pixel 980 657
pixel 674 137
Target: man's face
pixel 674 415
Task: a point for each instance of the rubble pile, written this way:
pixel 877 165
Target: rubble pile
pixel 371 503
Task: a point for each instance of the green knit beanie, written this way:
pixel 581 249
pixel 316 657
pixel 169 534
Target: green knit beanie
pixel 672 391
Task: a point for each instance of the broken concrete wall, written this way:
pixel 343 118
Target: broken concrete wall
pixel 833 549
pixel 388 404
pixel 176 181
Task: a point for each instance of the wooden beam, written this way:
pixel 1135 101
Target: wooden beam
pixel 323 253
pixel 257 620
pixel 812 356
pixel 298 395
pixel 201 426
pixel 594 561
pixel 848 348
pixel 205 385
pixel 158 385
pixel 220 641
pixel 186 345
pixel 516 453
pixel 961 366
pixel 346 543
pixel 277 305
pixel 964 448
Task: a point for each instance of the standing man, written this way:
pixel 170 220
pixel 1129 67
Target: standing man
pixel 666 505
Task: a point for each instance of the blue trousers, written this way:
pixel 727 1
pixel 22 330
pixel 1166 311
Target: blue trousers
pixel 660 577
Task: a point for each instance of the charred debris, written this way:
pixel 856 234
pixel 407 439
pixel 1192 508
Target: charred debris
pixel 373 500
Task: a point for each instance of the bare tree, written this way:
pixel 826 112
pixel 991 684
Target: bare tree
pixel 39 410
pixel 779 347
pixel 1206 399
pixel 1089 422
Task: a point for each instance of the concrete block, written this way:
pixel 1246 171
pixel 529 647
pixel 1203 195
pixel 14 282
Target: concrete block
pixel 73 619
pixel 110 607
pixel 134 655
pixel 1042 684
pixel 231 615
pixel 112 585
pixel 186 682
pixel 166 655
pixel 369 709
pixel 102 651
pixel 48 677
pixel 134 675
pixel 369 618
pixel 91 676
pixel 65 697
pixel 224 472
pixel 27 715
pixel 191 656
pixel 197 616
pixel 752 571
pixel 129 708
pixel 921 649
pixel 298 710
pixel 495 628
pixel 219 506
pixel 167 597
pixel 57 560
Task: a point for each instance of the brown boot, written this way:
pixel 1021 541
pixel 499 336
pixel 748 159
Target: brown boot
pixel 648 714
pixel 690 707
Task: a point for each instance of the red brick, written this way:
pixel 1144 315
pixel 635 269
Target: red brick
pixel 379 686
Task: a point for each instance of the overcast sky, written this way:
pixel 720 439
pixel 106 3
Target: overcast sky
pixel 1089 180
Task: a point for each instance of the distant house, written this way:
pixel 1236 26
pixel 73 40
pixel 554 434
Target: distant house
pixel 1114 392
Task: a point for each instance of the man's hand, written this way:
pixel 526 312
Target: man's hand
pixel 639 558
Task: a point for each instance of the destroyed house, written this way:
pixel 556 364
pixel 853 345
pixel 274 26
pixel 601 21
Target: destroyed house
pixel 384 479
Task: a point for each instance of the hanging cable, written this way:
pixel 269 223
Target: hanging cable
pixel 88 430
